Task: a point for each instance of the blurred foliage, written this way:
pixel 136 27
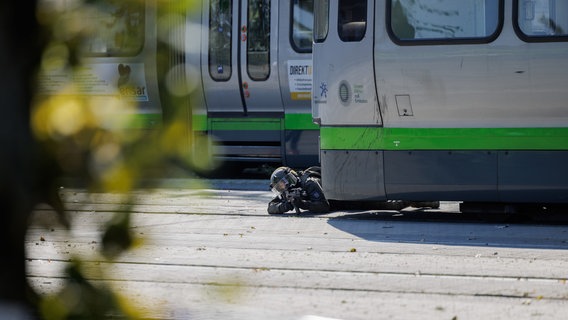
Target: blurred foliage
pixel 99 139
pixel 81 299
pixel 97 136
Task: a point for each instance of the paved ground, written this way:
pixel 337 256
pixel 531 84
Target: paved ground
pixel 210 251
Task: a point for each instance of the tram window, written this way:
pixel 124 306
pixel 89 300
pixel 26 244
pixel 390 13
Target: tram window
pixel 258 41
pixel 220 36
pixel 119 29
pixel 542 20
pixel 302 25
pixel 321 20
pixel 352 20
pixel 444 21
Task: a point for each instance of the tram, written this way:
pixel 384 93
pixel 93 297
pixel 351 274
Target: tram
pixel 241 69
pixel 425 100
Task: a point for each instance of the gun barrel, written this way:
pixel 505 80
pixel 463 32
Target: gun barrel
pixel 297 209
pixel 293 195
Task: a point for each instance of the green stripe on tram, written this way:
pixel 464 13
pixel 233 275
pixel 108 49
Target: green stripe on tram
pixel 144 121
pixel 299 121
pixel 199 122
pixel 241 124
pixel 292 121
pixel 378 138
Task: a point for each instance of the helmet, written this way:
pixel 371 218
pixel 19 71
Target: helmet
pixel 282 178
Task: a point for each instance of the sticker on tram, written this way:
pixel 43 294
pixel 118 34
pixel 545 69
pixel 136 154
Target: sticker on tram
pixel 125 80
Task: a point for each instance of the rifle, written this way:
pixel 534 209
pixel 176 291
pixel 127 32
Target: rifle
pixel 292 195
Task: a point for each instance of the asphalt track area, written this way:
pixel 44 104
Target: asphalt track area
pixel 210 251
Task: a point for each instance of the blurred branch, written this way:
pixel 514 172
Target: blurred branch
pixel 45 138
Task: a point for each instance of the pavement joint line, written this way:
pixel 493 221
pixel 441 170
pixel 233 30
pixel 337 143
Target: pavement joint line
pixel 406 292
pixel 387 273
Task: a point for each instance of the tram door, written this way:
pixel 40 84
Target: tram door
pixel 345 100
pixel 343 89
pixel 239 67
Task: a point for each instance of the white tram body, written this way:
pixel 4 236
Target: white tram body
pixel 442 100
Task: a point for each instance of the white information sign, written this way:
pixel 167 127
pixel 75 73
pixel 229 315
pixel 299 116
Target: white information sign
pixel 125 80
pixel 300 79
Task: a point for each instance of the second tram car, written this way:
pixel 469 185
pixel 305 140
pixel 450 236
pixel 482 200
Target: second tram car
pixel 256 76
pixel 442 100
pixel 243 70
